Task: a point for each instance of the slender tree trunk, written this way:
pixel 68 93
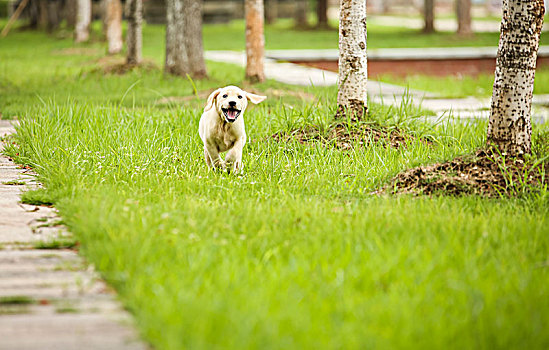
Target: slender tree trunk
pixel 112 21
pixel 193 38
pixel 353 75
pixel 255 41
pixel 42 14
pixel 271 11
pixel 509 127
pixel 54 14
pixel 301 13
pixel 322 13
pixel 463 11
pixel 429 16
pixel 83 21
pixel 177 59
pixel 70 13
pixel 134 35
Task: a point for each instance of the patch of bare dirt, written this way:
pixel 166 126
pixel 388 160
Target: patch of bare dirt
pixel 484 173
pixel 347 136
pixel 77 51
pixel 118 65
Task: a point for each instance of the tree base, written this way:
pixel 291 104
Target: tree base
pixel 355 112
pixel 485 173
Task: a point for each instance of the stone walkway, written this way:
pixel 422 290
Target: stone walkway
pixel 50 298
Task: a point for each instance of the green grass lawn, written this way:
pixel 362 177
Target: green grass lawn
pixel 294 253
pixel 462 86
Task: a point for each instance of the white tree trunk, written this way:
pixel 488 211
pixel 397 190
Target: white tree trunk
pixel 255 41
pixel 353 75
pixel 509 127
pixel 134 35
pixel 177 60
pixel 112 12
pixel 83 20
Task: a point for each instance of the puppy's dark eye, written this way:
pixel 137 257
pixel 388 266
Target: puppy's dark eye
pixel 225 96
pixel 240 96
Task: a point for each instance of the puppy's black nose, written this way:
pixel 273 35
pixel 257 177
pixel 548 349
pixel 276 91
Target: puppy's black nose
pixel 232 103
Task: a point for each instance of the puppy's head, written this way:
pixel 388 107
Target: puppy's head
pixel 230 102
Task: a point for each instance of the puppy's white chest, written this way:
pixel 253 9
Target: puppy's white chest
pixel 224 141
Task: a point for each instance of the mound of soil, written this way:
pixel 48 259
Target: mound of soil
pixel 484 173
pixel 346 136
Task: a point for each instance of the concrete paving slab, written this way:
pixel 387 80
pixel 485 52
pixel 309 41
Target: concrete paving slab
pixel 65 305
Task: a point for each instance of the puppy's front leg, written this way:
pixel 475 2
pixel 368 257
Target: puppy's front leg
pixel 234 156
pixel 212 157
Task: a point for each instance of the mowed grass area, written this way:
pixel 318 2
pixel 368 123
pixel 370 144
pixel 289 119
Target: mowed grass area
pixel 459 86
pixel 294 253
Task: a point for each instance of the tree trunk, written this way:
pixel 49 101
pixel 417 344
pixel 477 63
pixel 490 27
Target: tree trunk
pixel 463 11
pixel 352 93
pixel 193 38
pixel 509 127
pixel 42 14
pixel 255 41
pixel 177 59
pixel 271 11
pixel 54 14
pixel 134 35
pixel 301 13
pixel 70 13
pixel 112 21
pixel 322 13
pixel 83 20
pixel 429 16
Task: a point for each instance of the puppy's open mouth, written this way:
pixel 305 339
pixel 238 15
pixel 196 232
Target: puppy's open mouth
pixel 231 113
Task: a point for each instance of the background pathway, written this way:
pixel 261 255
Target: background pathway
pixel 50 298
pixel 469 108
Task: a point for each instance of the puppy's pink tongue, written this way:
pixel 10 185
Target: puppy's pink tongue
pixel 232 114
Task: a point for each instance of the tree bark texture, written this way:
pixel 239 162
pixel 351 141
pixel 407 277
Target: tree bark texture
pixel 255 41
pixel 301 13
pixel 112 21
pixel 70 13
pixel 322 13
pixel 463 12
pixel 134 34
pixel 429 16
pixel 193 38
pixel 353 74
pixel 54 14
pixel 42 14
pixel 177 59
pixel 83 20
pixel 509 127
pixel 271 11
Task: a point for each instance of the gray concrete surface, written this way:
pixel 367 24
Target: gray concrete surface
pixel 62 302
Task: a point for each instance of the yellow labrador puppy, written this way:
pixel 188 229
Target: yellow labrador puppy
pixel 222 129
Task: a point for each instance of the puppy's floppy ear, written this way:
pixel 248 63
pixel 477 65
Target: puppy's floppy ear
pixel 255 99
pixel 210 102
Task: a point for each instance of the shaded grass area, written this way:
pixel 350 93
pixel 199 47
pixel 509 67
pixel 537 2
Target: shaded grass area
pixel 296 252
